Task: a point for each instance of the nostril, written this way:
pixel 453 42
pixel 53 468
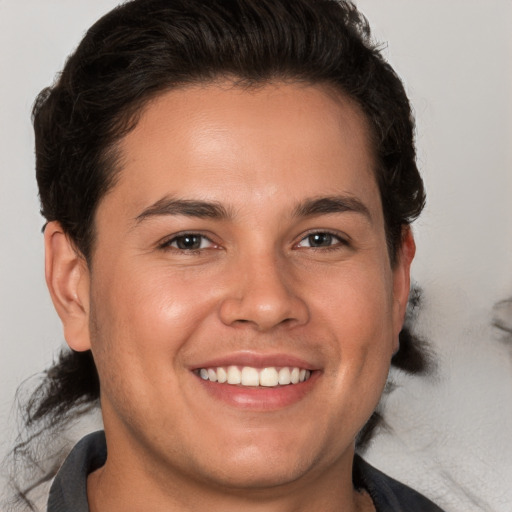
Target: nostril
pixel 264 307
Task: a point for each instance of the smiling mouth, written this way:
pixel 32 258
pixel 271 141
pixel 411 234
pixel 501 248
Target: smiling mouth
pixel 249 376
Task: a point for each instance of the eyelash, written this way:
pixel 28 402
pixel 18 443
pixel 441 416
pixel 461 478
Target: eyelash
pixel 340 241
pixel 168 244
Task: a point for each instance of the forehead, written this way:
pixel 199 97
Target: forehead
pixel 226 143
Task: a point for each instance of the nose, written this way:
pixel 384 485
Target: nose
pixel 264 295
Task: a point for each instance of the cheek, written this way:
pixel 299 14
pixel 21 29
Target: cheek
pixel 356 299
pixel 140 321
pixel 356 306
pixel 148 301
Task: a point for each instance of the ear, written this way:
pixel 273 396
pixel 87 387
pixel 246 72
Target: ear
pixel 402 280
pixel 67 278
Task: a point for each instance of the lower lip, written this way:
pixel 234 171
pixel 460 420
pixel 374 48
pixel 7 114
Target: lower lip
pixel 260 398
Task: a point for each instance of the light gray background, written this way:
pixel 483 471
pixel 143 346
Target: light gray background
pixel 451 435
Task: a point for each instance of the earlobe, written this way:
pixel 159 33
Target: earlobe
pixel 67 278
pixel 402 278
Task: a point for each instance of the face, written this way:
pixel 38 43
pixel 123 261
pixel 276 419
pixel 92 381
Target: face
pixel 244 241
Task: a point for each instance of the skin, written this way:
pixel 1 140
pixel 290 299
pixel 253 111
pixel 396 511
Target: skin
pixel 258 286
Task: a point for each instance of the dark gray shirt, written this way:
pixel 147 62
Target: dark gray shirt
pixel 69 490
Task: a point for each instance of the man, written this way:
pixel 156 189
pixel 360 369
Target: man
pixel 228 188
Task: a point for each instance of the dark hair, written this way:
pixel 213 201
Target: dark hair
pixel 145 47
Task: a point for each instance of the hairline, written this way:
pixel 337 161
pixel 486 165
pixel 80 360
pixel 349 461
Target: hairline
pixel 111 158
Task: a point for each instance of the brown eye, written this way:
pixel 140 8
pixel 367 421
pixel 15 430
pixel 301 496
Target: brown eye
pixel 321 239
pixel 189 242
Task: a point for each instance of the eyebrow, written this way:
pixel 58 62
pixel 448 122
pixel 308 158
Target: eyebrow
pixel 186 207
pixel 331 204
pixel 214 210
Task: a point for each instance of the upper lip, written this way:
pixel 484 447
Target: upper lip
pixel 256 360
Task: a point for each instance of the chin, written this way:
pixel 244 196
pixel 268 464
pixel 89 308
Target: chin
pixel 256 467
pixel 260 475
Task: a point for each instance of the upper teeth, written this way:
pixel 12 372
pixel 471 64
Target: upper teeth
pixel 249 376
